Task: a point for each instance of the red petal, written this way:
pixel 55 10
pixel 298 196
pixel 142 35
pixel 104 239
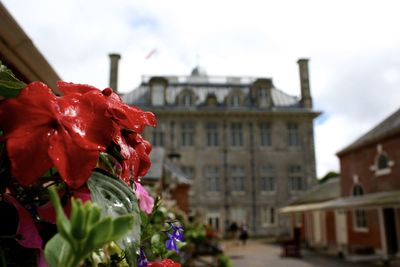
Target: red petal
pixel 164 263
pixel 47 213
pixel 73 163
pixel 26 227
pixel 33 108
pixel 72 88
pixel 85 119
pixel 29 157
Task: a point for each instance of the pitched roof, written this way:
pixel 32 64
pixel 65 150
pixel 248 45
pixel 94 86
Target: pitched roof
pixel 320 192
pixel 388 127
pixel 19 53
pixel 202 86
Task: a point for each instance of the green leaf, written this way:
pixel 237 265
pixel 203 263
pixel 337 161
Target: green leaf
pixel 101 233
pixel 63 224
pixel 87 232
pixel 117 198
pixel 57 251
pixel 10 86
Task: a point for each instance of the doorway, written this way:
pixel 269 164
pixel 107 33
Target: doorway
pixel 389 219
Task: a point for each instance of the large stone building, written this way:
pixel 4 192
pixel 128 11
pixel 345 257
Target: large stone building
pixel 248 146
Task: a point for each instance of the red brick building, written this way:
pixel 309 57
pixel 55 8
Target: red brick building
pixel 371 167
pixel 364 222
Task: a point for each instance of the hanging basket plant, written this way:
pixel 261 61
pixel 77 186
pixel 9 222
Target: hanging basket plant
pixel 70 193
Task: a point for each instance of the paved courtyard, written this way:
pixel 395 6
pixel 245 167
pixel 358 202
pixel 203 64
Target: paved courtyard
pixel 258 253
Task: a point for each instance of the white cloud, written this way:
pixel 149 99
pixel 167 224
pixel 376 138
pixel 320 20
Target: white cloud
pixel 353 46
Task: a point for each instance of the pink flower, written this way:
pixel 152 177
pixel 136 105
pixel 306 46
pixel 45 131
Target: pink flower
pixel 146 202
pixel 26 228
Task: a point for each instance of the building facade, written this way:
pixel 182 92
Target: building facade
pixel 247 146
pixel 361 220
pixel 370 170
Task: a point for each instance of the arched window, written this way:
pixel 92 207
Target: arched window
pixel 211 100
pixel 360 216
pixel 383 162
pixel 358 190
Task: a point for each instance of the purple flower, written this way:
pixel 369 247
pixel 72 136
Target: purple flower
pixel 171 243
pixel 177 232
pixel 142 261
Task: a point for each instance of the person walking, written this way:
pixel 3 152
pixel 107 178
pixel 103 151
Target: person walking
pixel 244 235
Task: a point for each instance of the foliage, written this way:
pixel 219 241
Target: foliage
pixel 9 84
pixel 84 233
pixel 329 175
pixel 70 193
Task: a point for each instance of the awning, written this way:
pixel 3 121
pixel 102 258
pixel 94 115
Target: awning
pixel 373 200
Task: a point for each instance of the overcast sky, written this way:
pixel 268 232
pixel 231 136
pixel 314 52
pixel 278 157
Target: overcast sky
pixel 353 47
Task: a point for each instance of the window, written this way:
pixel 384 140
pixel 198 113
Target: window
pixel 262 95
pixel 158 136
pixel 186 98
pixel 293 134
pixel 157 95
pixel 187 138
pixel 212 134
pixel 236 134
pixel 383 162
pixel 265 134
pixel 238 215
pixel 234 101
pixel 360 216
pixel 212 178
pixel 211 100
pixel 238 177
pixel 267 179
pixel 268 216
pixel 296 181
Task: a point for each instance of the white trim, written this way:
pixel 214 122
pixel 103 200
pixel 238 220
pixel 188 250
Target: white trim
pixel 382 172
pixel 354 218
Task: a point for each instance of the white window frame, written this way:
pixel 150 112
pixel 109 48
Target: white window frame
pixel 296 180
pixel 212 139
pixel 267 173
pixel 375 166
pixel 265 134
pixel 236 134
pixel 359 215
pixel 293 131
pixel 188 134
pixel 269 217
pixel 158 135
pixel 212 179
pixel 238 178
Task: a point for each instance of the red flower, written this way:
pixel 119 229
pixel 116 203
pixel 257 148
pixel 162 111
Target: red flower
pixel 164 263
pixel 134 149
pixel 125 116
pixel 43 130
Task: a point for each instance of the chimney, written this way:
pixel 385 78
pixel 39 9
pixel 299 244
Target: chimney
pixel 114 59
pixel 306 99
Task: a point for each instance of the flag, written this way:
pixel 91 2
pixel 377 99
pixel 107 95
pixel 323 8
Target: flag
pixel 151 53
